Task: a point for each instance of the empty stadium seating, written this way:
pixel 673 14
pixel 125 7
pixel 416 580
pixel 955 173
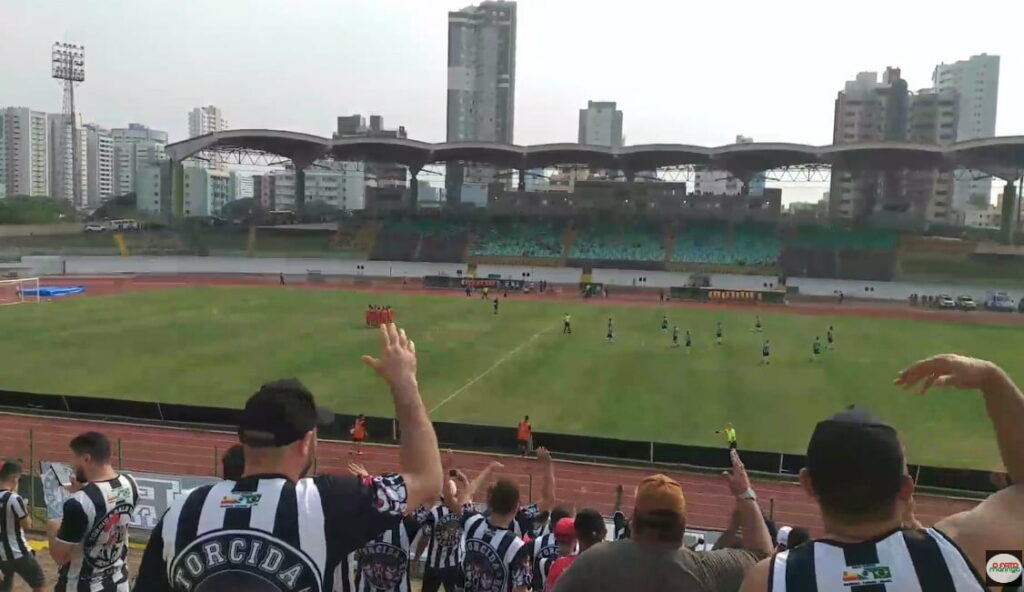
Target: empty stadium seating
pixel 711 244
pixel 421 240
pixel 614 242
pixel 518 239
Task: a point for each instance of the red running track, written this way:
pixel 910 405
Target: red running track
pixel 197 452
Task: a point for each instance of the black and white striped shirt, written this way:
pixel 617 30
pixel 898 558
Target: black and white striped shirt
pixel 621 525
pixel 902 561
pixel 544 551
pixel 445 531
pixel 12 537
pixel 381 565
pixel 267 533
pixel 96 518
pixel 493 559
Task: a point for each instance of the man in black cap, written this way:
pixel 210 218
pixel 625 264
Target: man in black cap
pixel 857 473
pixel 275 529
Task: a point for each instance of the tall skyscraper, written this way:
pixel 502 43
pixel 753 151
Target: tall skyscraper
pixel 25 148
pixel 205 120
pixel 867 110
pixel 976 80
pixel 61 158
pixel 134 146
pixel 481 83
pixel 932 119
pixel 715 182
pixel 99 160
pixel 601 124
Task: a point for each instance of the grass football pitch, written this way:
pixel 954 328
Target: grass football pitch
pixel 215 345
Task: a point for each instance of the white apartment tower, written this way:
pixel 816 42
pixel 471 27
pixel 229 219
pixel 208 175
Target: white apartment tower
pixel 976 81
pixel 134 147
pixel 24 152
pixel 205 120
pixel 601 124
pixel 481 83
pixel 99 151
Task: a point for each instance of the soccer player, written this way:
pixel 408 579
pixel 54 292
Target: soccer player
pixel 766 352
pixel 757 323
pixel 664 323
pixel 495 306
pixel 610 337
pixel 816 349
pixel 830 337
pixel 567 324
pixel 718 333
pixel 675 336
pixel 689 341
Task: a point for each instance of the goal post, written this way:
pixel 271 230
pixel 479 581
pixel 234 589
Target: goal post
pixel 19 291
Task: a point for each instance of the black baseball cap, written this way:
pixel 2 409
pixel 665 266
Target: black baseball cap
pixel 280 413
pixel 855 461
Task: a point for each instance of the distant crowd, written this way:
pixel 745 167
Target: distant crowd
pixel 271 525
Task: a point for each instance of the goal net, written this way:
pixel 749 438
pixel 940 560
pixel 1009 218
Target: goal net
pixel 19 291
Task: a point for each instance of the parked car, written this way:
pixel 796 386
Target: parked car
pixel 966 303
pixel 1000 302
pixel 93 227
pixel 1020 305
pixel 945 301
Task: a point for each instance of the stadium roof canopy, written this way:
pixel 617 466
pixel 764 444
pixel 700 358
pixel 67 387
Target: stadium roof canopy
pixel 991 154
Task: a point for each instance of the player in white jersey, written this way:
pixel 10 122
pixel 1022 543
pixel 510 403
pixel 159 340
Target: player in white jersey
pixel 857 473
pixel 90 541
pixel 16 557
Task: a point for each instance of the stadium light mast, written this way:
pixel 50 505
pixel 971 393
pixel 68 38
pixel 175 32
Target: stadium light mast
pixel 69 67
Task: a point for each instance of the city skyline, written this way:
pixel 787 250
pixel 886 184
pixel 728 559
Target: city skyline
pixel 396 53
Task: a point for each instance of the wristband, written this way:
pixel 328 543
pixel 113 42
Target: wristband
pixel 747 495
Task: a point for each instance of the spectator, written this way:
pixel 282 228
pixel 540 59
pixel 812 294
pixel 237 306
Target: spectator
pixel 90 541
pixel 442 532
pixel 589 530
pixel 547 547
pixel 275 529
pixel 857 473
pixel 233 463
pixel 790 537
pixel 524 522
pixel 523 434
pixel 655 558
pixel 619 520
pixel 495 558
pixel 16 557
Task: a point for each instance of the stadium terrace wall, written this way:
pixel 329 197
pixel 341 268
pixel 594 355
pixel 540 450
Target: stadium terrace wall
pixel 471 437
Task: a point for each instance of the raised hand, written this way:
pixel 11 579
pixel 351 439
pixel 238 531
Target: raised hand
pixel 948 370
pixel 397 363
pixel 496 465
pixel 738 480
pixel 358 470
pixel 543 455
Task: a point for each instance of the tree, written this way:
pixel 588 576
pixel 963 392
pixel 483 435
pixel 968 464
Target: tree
pixel 117 207
pixel 239 210
pixel 24 209
pixel 320 211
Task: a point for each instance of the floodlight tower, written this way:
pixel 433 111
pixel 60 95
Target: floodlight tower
pixel 69 67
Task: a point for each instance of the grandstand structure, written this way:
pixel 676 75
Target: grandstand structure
pixel 638 220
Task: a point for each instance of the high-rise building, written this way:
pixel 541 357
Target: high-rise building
pixel 867 110
pixel 976 81
pixel 135 146
pixel 718 182
pixel 205 120
pixel 3 156
pixel 206 190
pixel 378 174
pixel 61 158
pixel 241 185
pixel 99 159
pixel 338 184
pixel 263 191
pixel 932 119
pixel 601 124
pixel 25 148
pixel 481 83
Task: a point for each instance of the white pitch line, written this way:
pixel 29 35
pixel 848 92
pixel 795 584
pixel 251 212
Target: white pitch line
pixel 500 361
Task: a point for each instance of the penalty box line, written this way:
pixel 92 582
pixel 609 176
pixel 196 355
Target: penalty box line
pixel 500 361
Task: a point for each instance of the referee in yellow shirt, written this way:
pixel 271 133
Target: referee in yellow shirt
pixel 730 435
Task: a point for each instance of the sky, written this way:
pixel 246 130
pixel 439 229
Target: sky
pixel 682 72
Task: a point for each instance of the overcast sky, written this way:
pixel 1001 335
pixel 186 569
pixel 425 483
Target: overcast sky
pixel 691 72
